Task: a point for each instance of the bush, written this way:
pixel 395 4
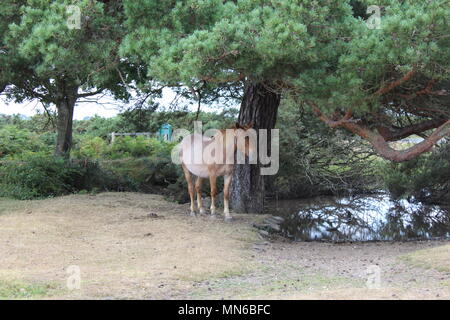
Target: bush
pixel 40 176
pixel 426 178
pixel 150 174
pixel 96 126
pixel 15 141
pixel 137 164
pixel 131 164
pixel 123 148
pixel 91 148
pixel 36 177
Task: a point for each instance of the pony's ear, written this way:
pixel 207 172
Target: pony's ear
pixel 237 126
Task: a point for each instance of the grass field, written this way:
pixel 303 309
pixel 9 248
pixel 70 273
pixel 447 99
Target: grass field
pixel 129 245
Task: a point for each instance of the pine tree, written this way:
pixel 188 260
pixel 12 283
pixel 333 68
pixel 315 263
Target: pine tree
pixel 383 79
pixel 60 51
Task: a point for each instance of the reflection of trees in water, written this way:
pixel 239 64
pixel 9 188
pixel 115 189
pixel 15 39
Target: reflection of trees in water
pixel 421 222
pixel 366 218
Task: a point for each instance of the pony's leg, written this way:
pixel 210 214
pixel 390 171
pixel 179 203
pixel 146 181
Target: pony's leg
pixel 213 183
pixel 188 177
pixel 226 197
pixel 198 188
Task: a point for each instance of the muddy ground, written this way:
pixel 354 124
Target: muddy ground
pixel 136 246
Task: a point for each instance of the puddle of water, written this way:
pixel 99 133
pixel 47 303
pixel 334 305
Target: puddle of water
pixel 361 218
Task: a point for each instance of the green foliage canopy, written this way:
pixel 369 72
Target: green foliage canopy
pixel 385 83
pixel 40 53
pixel 43 57
pixel 191 40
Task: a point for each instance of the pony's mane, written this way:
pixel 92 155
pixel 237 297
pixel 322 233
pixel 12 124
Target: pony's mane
pixel 243 127
pixel 236 126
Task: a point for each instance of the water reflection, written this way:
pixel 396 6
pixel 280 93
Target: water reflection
pixel 361 218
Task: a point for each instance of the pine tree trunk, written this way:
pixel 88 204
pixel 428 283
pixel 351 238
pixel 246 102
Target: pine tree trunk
pixel 259 106
pixel 64 125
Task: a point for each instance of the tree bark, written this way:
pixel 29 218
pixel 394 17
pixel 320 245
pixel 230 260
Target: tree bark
pixel 64 125
pixel 259 107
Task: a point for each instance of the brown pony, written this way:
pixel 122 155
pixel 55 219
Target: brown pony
pixel 206 157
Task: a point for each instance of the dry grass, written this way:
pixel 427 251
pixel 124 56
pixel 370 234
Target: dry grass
pixel 387 293
pixel 121 242
pixel 436 258
pixel 9 205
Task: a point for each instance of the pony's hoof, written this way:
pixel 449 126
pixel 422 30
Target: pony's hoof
pixel 228 219
pixel 192 214
pixel 213 216
pixel 202 211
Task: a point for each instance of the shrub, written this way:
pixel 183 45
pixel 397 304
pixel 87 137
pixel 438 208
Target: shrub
pixel 426 178
pixel 149 174
pixel 15 141
pixel 35 177
pixel 39 176
pixel 125 147
pixel 91 148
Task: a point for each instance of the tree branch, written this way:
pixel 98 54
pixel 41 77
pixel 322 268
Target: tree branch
pixel 383 148
pixel 426 90
pixel 394 134
pixel 90 94
pixel 332 123
pixel 395 84
pixel 380 143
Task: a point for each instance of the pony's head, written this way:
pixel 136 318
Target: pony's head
pixel 246 140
